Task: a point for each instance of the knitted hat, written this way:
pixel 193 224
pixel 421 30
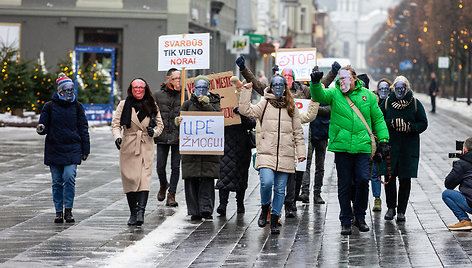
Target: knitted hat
pixel 202 77
pixel 62 81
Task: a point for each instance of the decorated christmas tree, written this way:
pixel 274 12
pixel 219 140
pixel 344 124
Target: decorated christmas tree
pixel 16 91
pixel 96 87
pixel 44 86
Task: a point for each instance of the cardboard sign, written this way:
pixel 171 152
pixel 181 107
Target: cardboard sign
pixel 302 105
pixel 202 133
pixel 220 84
pixel 190 51
pixel 300 60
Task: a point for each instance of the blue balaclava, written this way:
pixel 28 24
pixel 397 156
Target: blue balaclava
pixel 400 89
pixel 201 88
pixel 383 90
pixel 278 84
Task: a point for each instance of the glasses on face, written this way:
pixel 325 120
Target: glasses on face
pixel 139 87
pixel 176 78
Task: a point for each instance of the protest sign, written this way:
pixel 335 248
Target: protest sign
pixel 190 51
pixel 202 133
pixel 302 105
pixel 300 60
pixel 220 84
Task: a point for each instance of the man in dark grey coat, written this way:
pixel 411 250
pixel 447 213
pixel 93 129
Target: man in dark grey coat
pixel 168 100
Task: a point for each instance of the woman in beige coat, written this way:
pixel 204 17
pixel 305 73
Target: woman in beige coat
pixel 280 142
pixel 135 123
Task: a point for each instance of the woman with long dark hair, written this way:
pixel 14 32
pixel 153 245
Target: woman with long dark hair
pixel 135 123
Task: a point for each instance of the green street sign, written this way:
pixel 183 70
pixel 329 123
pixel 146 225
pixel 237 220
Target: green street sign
pixel 255 38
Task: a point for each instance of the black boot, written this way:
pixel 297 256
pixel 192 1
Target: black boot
pixel 263 217
pixel 142 201
pixel 59 218
pixel 133 207
pixel 390 214
pixel 274 224
pixel 224 195
pixel 240 201
pixel 68 215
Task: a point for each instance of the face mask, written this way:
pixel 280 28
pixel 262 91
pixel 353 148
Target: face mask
pixel 278 86
pixel 383 90
pixel 345 80
pixel 400 90
pixel 288 74
pixel 68 92
pixel 201 88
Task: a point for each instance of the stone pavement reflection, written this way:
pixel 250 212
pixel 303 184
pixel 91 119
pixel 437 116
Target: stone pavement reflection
pixel 100 236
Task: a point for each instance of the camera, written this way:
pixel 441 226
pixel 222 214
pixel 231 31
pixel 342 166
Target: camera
pixel 459 145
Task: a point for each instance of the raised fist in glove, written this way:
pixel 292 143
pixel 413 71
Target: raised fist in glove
pixel 240 62
pixel 316 75
pixel 382 152
pixel 335 67
pixel 400 125
pixel 150 131
pixel 118 143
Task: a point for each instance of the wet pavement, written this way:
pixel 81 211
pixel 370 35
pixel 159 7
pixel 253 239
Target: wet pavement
pixel 101 238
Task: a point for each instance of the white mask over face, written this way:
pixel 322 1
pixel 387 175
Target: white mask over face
pixel 345 80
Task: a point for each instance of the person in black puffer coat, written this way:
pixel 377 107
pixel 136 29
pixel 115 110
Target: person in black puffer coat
pixel 460 202
pixel 234 164
pixel 65 125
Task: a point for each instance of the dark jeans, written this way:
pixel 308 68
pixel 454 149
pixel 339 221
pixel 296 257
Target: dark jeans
pixel 294 182
pixel 224 196
pixel 433 103
pixel 162 151
pixel 199 196
pixel 403 193
pixel 319 147
pixel 352 167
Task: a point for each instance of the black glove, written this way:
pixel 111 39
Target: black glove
pixel 316 75
pixel 118 143
pixel 275 69
pixel 400 125
pixel 335 67
pixel 382 152
pixel 240 62
pixel 150 131
pixel 236 110
pixel 84 157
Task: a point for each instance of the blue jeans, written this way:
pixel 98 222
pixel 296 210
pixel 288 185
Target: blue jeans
pixel 63 186
pixel 278 180
pixel 376 185
pixel 457 202
pixel 352 168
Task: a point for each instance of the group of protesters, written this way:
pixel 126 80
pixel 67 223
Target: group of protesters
pixel 372 134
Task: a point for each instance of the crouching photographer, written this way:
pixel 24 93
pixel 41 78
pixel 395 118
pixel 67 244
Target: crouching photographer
pixel 460 202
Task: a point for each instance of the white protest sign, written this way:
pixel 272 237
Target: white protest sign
pixel 202 133
pixel 190 51
pixel 239 44
pixel 302 105
pixel 300 60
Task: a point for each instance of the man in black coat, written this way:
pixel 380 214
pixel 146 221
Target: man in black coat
pixel 168 99
pixel 433 91
pixel 460 202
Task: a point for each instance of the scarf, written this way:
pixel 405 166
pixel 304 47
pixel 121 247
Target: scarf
pixel 278 103
pixel 125 119
pixel 401 104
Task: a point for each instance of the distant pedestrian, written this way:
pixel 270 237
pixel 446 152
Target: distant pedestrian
pixel 433 91
pixel 199 172
pixel 460 202
pixel 136 122
pixel 262 78
pixel 350 140
pixel 280 144
pixel 406 120
pixel 168 99
pixel 65 125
